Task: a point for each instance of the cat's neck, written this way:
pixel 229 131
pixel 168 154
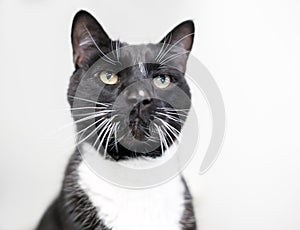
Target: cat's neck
pixel 159 207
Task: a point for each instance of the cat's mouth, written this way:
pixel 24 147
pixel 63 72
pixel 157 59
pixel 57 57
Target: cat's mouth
pixel 139 129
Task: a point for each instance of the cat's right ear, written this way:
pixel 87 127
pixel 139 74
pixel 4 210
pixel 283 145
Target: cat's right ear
pixel 87 36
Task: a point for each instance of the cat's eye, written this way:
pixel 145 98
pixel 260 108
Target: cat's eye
pixel 162 81
pixel 109 78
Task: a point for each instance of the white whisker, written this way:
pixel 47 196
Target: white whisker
pixel 87 100
pixel 115 135
pixel 174 45
pixel 170 117
pixel 165 49
pixel 160 137
pixel 104 123
pixel 107 139
pixel 172 57
pixel 174 113
pixel 81 108
pixel 98 48
pixel 90 134
pixel 106 128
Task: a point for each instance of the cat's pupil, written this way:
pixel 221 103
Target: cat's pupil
pixel 162 79
pixel 108 75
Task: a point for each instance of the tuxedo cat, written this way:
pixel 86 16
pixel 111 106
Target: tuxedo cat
pixel 116 94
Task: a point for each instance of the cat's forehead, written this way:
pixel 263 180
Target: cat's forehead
pixel 142 53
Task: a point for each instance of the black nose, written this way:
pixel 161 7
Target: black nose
pixel 135 96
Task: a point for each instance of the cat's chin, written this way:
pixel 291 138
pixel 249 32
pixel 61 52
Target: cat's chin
pixel 136 140
pixel 138 134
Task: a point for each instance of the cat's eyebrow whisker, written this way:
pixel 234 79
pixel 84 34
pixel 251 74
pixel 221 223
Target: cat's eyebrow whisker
pixel 112 48
pixel 161 49
pixel 172 57
pixel 109 60
pixel 158 58
pixel 118 51
pixel 175 45
pixel 87 100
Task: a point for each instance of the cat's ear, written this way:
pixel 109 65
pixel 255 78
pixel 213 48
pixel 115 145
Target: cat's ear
pixel 87 36
pixel 182 35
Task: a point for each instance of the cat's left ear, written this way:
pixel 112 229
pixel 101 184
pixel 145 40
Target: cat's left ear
pixel 182 35
pixel 87 37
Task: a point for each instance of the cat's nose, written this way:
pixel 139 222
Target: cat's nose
pixel 139 96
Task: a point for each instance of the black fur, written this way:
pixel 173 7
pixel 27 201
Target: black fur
pixel 72 208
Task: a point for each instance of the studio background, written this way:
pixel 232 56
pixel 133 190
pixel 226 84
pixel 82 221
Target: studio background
pixel 252 49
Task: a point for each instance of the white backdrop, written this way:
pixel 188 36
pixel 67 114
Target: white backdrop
pixel 252 48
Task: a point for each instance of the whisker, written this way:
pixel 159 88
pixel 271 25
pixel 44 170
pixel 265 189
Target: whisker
pixel 80 108
pixel 106 128
pixel 90 134
pixel 174 113
pixel 160 138
pixel 171 109
pixel 115 135
pixel 82 130
pixel 161 49
pixel 118 51
pixel 107 139
pixel 104 123
pixel 98 48
pixel 175 45
pixel 86 128
pixel 112 48
pixel 164 139
pixel 87 100
pixel 170 117
pixel 167 46
pixel 171 128
pixel 81 120
pixel 167 134
pixel 172 57
pixel 84 114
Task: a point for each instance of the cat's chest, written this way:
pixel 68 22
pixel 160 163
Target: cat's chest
pixel 123 209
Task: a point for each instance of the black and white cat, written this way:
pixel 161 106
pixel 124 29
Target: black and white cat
pixel 116 97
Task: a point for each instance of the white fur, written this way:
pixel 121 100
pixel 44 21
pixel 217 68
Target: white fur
pixel 158 208
pixel 142 68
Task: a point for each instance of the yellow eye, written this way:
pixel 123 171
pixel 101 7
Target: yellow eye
pixel 162 81
pixel 109 78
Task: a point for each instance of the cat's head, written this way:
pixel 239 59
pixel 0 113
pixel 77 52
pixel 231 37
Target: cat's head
pixel 128 101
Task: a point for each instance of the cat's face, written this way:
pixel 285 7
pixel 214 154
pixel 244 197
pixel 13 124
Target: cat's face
pixel 128 101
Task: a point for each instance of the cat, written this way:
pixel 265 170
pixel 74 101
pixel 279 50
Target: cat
pixel 116 98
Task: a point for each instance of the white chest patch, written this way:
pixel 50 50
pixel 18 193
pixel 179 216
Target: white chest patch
pixel 158 208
